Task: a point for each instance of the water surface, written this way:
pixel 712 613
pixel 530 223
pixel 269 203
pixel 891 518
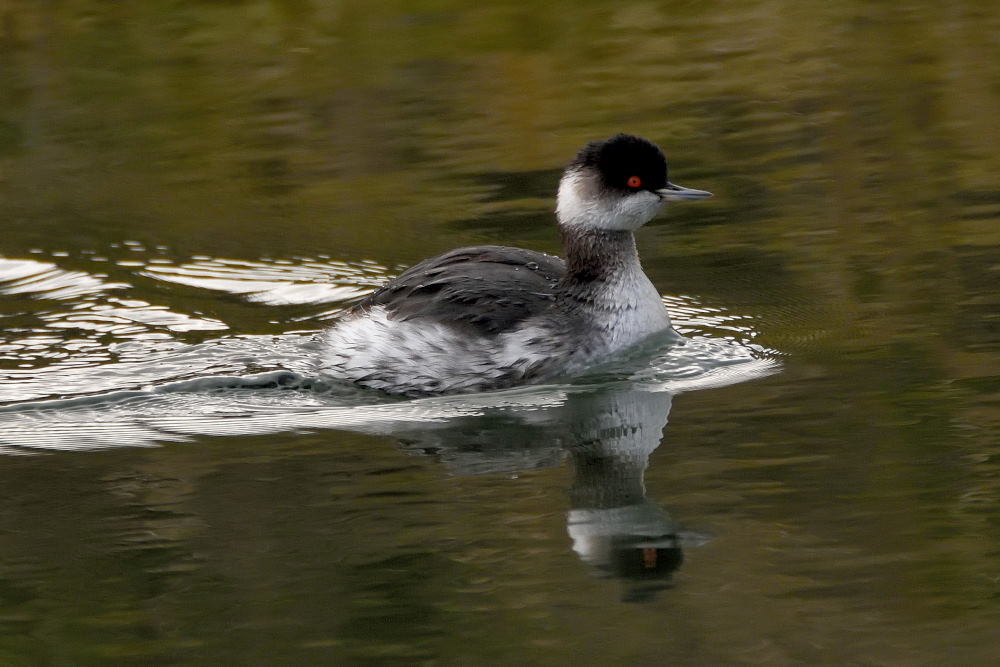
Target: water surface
pixel 194 190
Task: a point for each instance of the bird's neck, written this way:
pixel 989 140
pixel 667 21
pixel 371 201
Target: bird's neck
pixel 597 257
pixel 605 280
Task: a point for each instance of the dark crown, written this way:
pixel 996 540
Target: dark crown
pixel 621 157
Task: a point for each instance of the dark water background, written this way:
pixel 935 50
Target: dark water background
pixel 195 188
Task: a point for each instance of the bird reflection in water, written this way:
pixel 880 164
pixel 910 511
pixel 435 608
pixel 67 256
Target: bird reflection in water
pixel 608 432
pixel 615 528
pixel 609 436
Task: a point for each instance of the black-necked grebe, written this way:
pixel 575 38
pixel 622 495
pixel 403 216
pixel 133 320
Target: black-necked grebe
pixel 488 317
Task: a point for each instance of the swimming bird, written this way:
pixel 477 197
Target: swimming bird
pixel 488 317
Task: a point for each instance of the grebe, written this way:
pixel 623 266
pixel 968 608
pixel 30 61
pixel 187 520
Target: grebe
pixel 488 317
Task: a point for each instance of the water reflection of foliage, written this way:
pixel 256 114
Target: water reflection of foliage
pixel 811 119
pixel 852 147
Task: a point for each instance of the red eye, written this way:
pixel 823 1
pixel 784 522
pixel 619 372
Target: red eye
pixel 634 181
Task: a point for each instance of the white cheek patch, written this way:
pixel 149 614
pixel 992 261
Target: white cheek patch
pixel 581 205
pixel 575 206
pixel 635 210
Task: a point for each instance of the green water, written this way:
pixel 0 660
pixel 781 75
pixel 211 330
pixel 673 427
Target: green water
pixel 172 171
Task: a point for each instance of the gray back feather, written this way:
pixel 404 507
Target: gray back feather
pixel 485 289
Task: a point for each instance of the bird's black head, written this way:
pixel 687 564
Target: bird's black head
pixel 625 163
pixel 617 184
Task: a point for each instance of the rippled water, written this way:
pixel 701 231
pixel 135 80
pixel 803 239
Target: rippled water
pixel 189 192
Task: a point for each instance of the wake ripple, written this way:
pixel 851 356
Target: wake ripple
pixel 285 401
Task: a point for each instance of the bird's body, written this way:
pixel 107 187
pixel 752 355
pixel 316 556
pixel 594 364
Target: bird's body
pixel 488 317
